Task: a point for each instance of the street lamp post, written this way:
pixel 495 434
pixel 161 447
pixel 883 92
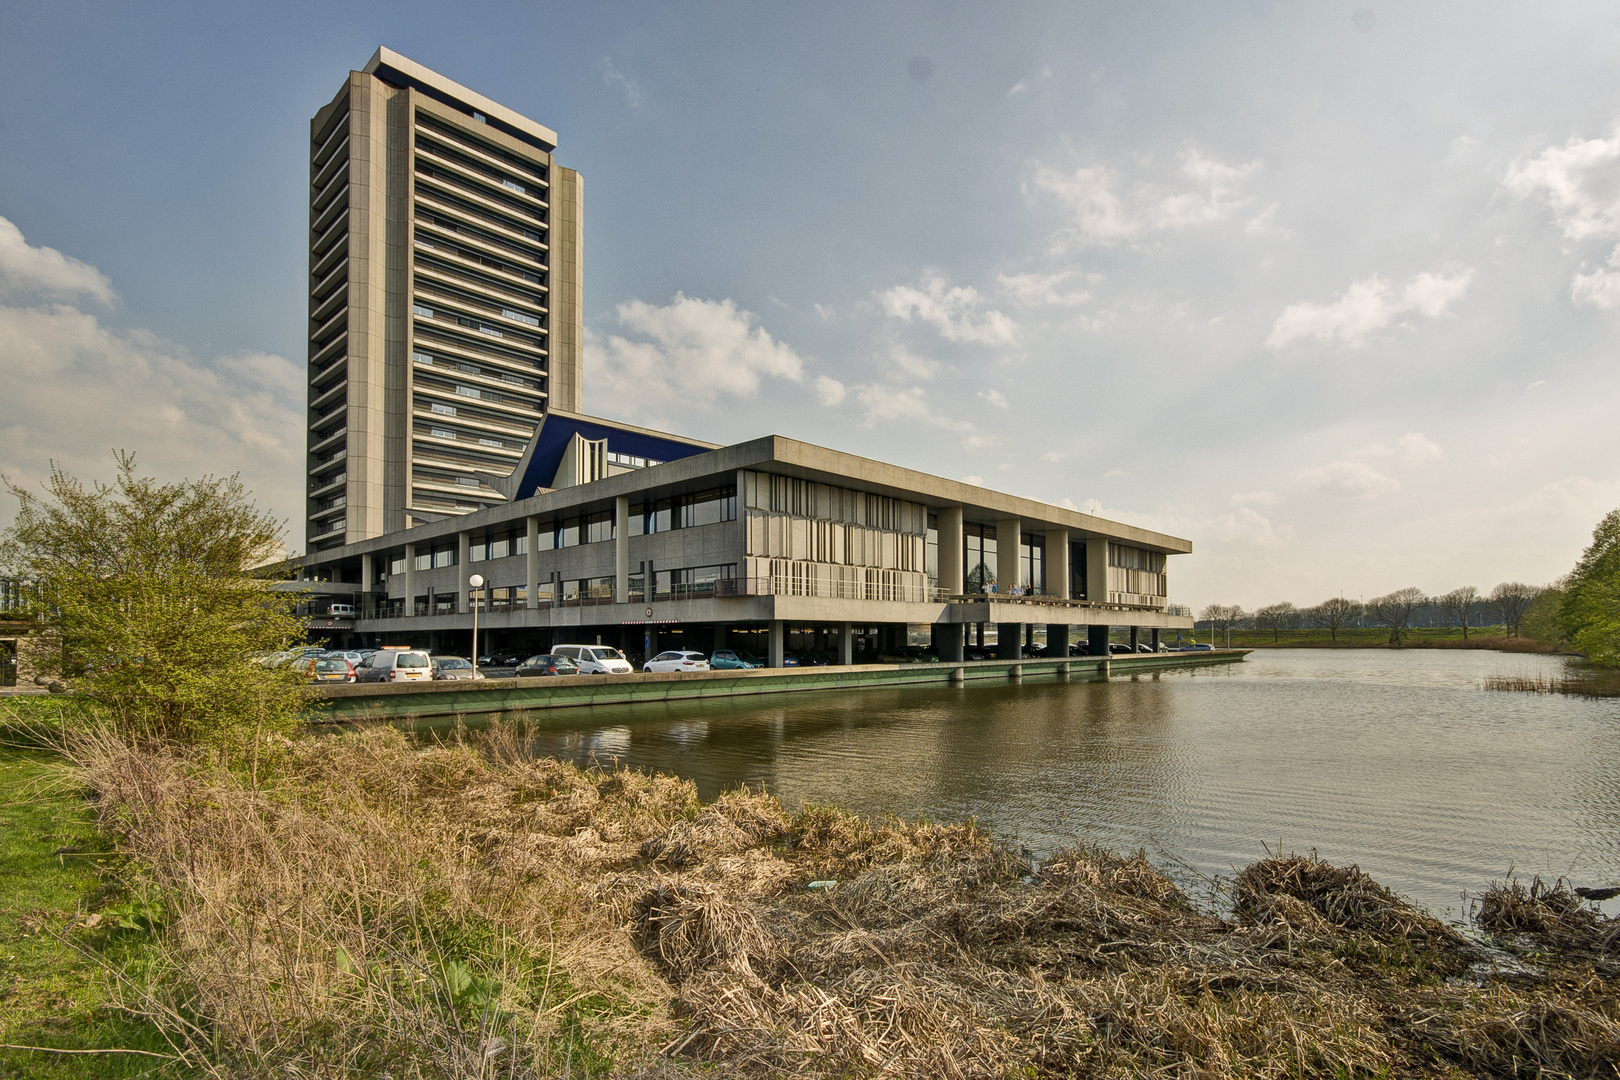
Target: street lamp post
pixel 477 583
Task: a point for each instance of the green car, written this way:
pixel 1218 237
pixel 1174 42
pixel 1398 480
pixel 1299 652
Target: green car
pixel 733 659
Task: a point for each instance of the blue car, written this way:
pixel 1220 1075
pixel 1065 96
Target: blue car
pixel 733 660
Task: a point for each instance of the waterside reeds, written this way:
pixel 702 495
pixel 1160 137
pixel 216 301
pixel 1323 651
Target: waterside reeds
pixel 468 911
pixel 1574 681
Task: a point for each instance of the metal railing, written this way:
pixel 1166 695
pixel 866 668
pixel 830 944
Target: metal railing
pixel 19 599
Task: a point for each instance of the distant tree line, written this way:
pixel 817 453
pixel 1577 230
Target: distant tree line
pixel 1581 609
pixel 1397 612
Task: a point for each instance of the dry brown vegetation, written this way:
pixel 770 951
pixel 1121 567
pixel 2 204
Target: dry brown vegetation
pixel 465 911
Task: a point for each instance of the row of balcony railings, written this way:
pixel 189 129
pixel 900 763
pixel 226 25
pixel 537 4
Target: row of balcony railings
pixel 20 599
pixel 515 599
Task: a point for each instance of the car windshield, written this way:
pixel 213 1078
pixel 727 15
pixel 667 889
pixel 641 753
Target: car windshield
pixel 331 665
pixel 454 662
pixel 412 660
pixel 747 658
pixel 605 653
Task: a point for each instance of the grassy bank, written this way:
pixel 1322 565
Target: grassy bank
pixel 467 911
pixel 59 873
pixel 1371 637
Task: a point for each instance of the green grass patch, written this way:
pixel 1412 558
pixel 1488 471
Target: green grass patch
pixel 55 871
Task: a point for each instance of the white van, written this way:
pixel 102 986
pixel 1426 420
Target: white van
pixel 595 659
pixel 341 611
pixel 397 665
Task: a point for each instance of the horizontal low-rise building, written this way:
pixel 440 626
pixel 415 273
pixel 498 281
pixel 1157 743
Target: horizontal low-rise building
pixel 644 540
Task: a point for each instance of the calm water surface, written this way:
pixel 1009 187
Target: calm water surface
pixel 1398 761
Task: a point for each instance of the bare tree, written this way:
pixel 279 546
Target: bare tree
pixel 1510 600
pixel 1393 611
pixel 1275 617
pixel 1335 614
pixel 1457 606
pixel 1220 618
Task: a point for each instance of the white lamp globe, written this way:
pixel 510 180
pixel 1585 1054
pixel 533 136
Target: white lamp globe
pixel 476 581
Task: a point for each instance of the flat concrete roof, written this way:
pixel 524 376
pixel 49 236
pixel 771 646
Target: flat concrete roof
pixel 386 57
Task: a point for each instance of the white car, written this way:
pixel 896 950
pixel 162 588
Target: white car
pixel 677 661
pixel 397 665
pixel 596 659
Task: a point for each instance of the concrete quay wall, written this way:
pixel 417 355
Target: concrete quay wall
pixel 423 701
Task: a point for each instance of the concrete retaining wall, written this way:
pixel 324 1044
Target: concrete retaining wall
pixel 421 701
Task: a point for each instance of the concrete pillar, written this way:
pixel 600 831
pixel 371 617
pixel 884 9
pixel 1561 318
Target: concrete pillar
pixel 846 643
pixel 531 562
pixel 949 528
pixel 463 544
pixel 1008 530
pixel 948 639
pixel 1134 642
pixel 1057 564
pixel 1097 640
pixel 1154 640
pixel 1008 636
pixel 778 640
pixel 621 550
pixel 1097 569
pixel 1016 673
pixel 1057 640
pixel 649 581
pixel 410 580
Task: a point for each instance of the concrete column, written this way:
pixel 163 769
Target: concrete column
pixel 846 643
pixel 649 582
pixel 1134 642
pixel 1008 636
pixel 463 543
pixel 948 640
pixel 949 527
pixel 1154 641
pixel 1097 640
pixel 621 550
pixel 1057 563
pixel 410 580
pixel 1097 569
pixel 1057 640
pixel 531 562
pixel 778 642
pixel 1008 530
pixel 368 582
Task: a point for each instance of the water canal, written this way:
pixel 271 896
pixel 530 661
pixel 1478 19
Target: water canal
pixel 1399 761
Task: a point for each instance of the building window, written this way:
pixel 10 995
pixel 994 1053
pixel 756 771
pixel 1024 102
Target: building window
pixel 444 556
pixel 422 310
pixel 598 527
pixel 424 561
pixel 689 511
pixel 442 433
pixel 444 410
pixel 1032 562
pixel 978 557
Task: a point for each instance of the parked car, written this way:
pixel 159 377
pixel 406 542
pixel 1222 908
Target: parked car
pixel 596 659
pixel 397 665
pixel 790 659
pixel 546 664
pixel 1196 647
pixel 351 656
pixel 1080 648
pixel 341 611
pixel 1143 646
pixel 677 660
pixel 327 669
pixel 734 659
pixel 451 668
pixel 1119 647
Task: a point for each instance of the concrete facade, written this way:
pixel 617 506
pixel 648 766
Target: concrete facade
pixel 759 540
pixel 445 309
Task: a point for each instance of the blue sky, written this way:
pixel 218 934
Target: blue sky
pixel 1326 288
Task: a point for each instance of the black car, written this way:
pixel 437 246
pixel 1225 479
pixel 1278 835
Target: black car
pixel 546 664
pixel 1119 647
pixel 1080 648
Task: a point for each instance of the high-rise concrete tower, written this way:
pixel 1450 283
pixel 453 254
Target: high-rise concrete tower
pixel 444 299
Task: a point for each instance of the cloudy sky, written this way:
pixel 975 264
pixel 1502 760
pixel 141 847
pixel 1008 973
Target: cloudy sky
pixel 1332 290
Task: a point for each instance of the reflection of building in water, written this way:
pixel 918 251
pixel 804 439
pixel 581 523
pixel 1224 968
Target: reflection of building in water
pixel 447 437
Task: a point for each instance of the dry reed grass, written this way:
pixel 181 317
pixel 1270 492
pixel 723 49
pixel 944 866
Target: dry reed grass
pixel 466 911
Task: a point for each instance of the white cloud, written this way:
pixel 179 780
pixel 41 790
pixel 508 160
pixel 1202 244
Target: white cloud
pixel 911 366
pixel 1043 290
pixel 690 343
pixel 976 481
pixel 1600 288
pixel 1242 526
pixel 952 309
pixel 829 390
pixel 75 390
pixel 993 397
pixel 1579 181
pixel 1361 474
pixel 1107 210
pixel 1023 85
pixel 827 313
pixel 1052 457
pixel 1367 307
pixel 43 272
pixel 612 76
pixel 980 442
pixel 1256 498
